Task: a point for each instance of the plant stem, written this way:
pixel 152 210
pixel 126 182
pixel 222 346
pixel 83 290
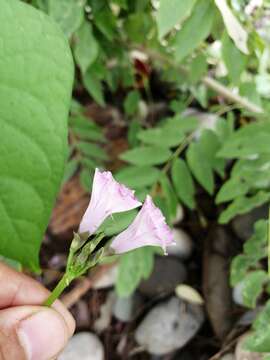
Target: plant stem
pixel 177 152
pixel 228 94
pixel 175 155
pixel 208 82
pixel 57 291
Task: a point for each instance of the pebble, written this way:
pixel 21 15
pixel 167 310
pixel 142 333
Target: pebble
pixel 228 357
pixel 183 244
pixel 83 346
pixel 105 316
pixel 179 215
pixel 237 294
pixel 242 354
pixel 169 326
pixel 249 316
pixel 107 279
pixel 243 225
pixel 124 308
pixel 167 274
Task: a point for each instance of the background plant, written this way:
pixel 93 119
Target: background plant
pixel 122 49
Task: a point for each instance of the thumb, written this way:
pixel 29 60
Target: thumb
pixel 32 333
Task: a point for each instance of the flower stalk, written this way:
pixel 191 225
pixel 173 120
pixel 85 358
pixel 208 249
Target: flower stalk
pixel 81 258
pixel 149 228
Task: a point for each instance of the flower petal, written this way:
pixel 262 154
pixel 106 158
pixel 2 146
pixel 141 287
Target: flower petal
pixel 108 197
pixel 148 229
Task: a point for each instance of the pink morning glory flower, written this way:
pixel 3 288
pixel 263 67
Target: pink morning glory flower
pixel 108 197
pixel 148 228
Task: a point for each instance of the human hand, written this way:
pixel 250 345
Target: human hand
pixel 29 331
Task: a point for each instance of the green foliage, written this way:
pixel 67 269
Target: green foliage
pixel 201 18
pixel 35 85
pixel 234 59
pixel 248 186
pixel 183 183
pixel 246 270
pixel 138 177
pixel 255 249
pixel 68 14
pixel 86 47
pixel 86 151
pixel 146 155
pixel 171 133
pixel 259 340
pixel 171 13
pixel 131 54
pixel 134 266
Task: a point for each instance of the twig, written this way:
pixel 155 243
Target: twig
pixel 228 94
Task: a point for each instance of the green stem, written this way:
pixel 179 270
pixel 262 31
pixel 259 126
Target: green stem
pixel 208 81
pixel 57 291
pixel 175 155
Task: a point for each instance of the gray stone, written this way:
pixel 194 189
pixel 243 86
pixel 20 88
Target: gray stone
pixel 105 316
pixel 167 274
pixel 169 326
pixel 242 354
pixel 237 294
pixel 83 346
pixel 123 308
pixel 249 316
pixel 243 224
pixel 228 357
pixel 179 215
pixel 183 244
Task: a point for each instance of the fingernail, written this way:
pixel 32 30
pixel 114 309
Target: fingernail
pixel 42 335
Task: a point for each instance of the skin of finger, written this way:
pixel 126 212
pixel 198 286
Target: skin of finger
pixel 18 289
pixel 10 348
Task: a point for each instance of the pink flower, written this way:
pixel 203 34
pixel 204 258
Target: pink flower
pixel 108 197
pixel 148 228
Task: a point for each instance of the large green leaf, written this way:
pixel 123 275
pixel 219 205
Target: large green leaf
pixel 36 74
pixel 195 29
pixel 171 13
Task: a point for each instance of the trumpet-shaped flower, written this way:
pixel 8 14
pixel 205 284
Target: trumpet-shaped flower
pixel 148 228
pixel 108 197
